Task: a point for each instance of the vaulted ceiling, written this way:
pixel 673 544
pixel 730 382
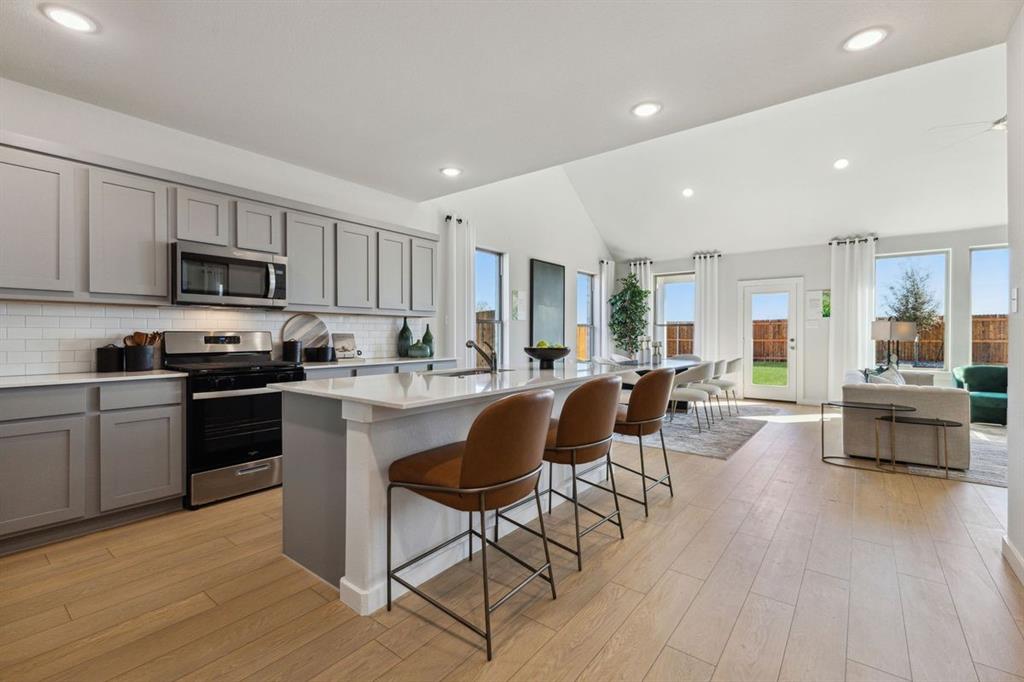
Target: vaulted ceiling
pixel 386 93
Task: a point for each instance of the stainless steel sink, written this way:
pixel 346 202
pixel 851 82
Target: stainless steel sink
pixel 468 372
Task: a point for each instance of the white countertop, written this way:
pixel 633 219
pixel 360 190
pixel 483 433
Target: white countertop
pixel 370 362
pixel 84 378
pixel 414 390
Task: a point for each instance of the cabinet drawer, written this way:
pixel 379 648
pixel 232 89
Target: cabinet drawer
pixel 329 373
pixel 118 396
pixel 42 473
pixel 29 403
pixel 375 369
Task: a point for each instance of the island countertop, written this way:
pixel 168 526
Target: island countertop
pixel 425 389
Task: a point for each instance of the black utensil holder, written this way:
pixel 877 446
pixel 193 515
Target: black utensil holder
pixel 110 359
pixel 138 358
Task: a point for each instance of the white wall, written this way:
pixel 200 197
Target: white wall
pixel 38 113
pixel 536 215
pixel 1015 415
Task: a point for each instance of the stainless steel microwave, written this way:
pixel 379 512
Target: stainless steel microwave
pixel 202 274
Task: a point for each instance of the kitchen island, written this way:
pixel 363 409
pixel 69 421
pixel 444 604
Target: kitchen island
pixel 341 435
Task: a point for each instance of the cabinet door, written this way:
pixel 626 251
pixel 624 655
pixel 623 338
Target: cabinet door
pixel 37 240
pixel 259 227
pixel 424 275
pixel 42 473
pixel 141 457
pixel 201 216
pixel 392 271
pixel 127 234
pixel 310 259
pixel 357 266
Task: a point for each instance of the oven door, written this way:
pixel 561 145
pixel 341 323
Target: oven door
pixel 212 275
pixel 234 427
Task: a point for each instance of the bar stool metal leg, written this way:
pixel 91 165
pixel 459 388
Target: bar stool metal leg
pixel 664 453
pixel 576 514
pixel 483 563
pixel 643 474
pixel 544 540
pixel 470 515
pixel 615 493
pixel 389 546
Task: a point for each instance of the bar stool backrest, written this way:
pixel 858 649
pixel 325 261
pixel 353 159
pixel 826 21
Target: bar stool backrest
pixel 588 416
pixel 649 398
pixel 505 442
pixel 734 366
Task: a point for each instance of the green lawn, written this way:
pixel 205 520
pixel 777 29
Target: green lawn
pixel 770 373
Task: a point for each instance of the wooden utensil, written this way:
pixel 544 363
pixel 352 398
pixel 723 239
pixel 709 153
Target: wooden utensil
pixel 128 341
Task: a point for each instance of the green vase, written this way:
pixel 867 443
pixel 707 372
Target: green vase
pixel 404 339
pixel 428 341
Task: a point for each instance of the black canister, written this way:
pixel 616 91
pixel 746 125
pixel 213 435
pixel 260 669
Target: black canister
pixel 110 358
pixel 138 358
pixel 292 351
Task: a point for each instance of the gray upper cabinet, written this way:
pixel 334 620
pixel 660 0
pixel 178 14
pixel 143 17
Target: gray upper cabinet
pixel 392 271
pixel 357 266
pixel 42 473
pixel 141 456
pixel 424 275
pixel 37 240
pixel 310 259
pixel 259 227
pixel 201 216
pixel 127 234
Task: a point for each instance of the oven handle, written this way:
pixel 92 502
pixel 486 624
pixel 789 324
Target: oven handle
pixel 252 470
pixel 213 395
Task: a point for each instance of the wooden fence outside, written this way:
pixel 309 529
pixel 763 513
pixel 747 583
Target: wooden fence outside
pixel 678 338
pixel 989 336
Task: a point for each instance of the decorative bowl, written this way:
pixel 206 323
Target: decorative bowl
pixel 547 356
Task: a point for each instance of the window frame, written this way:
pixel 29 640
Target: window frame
pixel 970 294
pixel 948 318
pixel 499 314
pixel 591 280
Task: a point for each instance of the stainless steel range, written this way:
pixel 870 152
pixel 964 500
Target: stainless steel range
pixel 233 419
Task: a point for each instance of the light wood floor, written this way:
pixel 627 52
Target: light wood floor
pixel 767 566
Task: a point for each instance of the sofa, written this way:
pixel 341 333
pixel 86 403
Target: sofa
pixel 914 444
pixel 987 386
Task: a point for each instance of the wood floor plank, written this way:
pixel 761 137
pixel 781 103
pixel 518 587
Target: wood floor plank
pixel 833 540
pixel 987 674
pixel 319 654
pixel 705 628
pixel 989 543
pixel 938 650
pixel 755 648
pixel 631 651
pixel 858 672
pixel 913 546
pixel 675 666
pixel 877 636
pixel 701 554
pixel 782 570
pixel 653 560
pixel 816 649
pixel 368 662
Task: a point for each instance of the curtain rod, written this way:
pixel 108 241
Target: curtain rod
pixel 708 254
pixel 852 240
pixel 448 218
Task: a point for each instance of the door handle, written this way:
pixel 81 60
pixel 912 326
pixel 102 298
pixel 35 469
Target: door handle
pixel 271 280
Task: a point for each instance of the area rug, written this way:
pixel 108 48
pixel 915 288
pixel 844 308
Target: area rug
pixel 720 441
pixel 988 458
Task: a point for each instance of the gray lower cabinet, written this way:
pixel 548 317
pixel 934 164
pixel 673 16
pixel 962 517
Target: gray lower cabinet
pixel 357 265
pixel 424 275
pixel 127 234
pixel 42 473
pixel 37 237
pixel 310 259
pixel 140 456
pixel 201 216
pixel 258 227
pixel 392 271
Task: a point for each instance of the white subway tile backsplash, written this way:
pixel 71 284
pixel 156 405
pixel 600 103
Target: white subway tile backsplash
pixel 57 337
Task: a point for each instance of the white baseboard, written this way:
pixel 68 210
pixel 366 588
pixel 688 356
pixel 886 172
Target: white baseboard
pixel 1014 558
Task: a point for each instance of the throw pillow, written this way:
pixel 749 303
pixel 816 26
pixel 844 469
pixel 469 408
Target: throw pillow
pixel 889 376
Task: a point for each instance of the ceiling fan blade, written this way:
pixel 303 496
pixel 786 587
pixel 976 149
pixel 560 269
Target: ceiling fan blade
pixel 960 125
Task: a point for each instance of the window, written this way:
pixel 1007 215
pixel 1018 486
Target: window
pixel 487 294
pixel 675 299
pixel 912 288
pixel 584 316
pixel 990 304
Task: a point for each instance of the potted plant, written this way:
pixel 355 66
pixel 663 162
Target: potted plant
pixel 628 321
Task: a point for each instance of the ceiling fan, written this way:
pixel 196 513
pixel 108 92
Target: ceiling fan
pixel 981 127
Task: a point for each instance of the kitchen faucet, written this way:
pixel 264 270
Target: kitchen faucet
pixel 491 358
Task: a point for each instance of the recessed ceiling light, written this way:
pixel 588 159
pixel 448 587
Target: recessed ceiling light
pixel 688 192
pixel 865 40
pixel 69 19
pixel 841 164
pixel 451 172
pixel 645 109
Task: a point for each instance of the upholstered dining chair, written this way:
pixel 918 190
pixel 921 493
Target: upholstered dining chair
pixel 728 386
pixel 717 369
pixel 683 391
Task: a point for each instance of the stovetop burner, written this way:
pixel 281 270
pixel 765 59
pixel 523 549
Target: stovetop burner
pixel 230 366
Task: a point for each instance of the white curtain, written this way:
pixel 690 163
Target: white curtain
pixel 705 323
pixel 642 270
pixel 602 311
pixel 853 298
pixel 460 238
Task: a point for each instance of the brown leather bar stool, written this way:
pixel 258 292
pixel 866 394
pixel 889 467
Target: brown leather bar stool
pixel 580 435
pixel 498 464
pixel 648 403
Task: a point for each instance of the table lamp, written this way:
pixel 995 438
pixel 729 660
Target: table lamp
pixel 893 331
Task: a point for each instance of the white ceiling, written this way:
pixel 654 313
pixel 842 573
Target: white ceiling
pixel 385 93
pixel 765 179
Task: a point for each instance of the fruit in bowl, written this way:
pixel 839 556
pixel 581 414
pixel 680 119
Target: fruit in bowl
pixel 546 354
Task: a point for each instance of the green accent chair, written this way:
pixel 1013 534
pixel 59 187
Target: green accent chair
pixel 987 386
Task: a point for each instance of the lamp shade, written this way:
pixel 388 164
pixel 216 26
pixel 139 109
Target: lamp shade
pixel 904 331
pixel 881 330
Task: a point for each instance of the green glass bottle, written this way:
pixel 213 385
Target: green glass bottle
pixel 404 339
pixel 428 341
